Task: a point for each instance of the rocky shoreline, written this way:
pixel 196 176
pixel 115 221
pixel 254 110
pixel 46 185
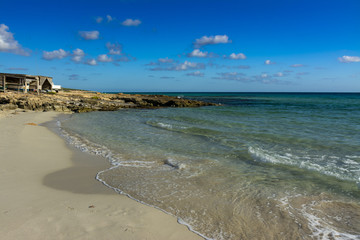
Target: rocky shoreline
pixel 83 101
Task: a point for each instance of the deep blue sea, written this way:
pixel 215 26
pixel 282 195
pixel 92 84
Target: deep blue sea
pixel 260 166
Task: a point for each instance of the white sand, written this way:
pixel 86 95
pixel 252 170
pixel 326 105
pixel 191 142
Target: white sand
pixel 46 189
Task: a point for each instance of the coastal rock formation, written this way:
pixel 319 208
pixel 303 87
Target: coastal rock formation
pixel 83 101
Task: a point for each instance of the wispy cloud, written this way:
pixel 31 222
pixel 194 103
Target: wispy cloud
pixel 114 48
pixel 56 54
pixel 236 56
pixel 104 58
pixel 172 66
pixel 188 66
pixel 109 18
pixel 74 77
pixel 233 76
pixel 279 74
pixel 160 61
pixel 275 81
pixel 198 53
pixel 209 40
pixel 218 66
pixel 263 78
pixel 241 67
pixel 91 62
pixel 268 62
pixel 8 42
pixel 89 35
pixel 99 19
pixel 165 60
pixel 131 22
pixel 297 65
pixel 125 59
pixel 349 59
pixel 77 55
pixel 195 74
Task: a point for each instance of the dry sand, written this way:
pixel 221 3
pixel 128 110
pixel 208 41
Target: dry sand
pixel 48 191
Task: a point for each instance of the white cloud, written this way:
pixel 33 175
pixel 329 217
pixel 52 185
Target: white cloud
pixel 165 60
pixel 161 62
pixel 99 19
pixel 196 74
pixel 188 65
pixel 268 62
pixel 297 65
pixel 348 59
pixel 114 48
pixel 8 43
pixel 77 55
pixel 197 53
pixel 205 40
pixel 279 74
pixel 91 62
pixel 89 35
pixel 131 22
pixel 264 75
pixel 237 56
pixel 56 54
pixel 233 76
pixel 125 59
pixel 170 66
pixel 104 58
pixel 109 18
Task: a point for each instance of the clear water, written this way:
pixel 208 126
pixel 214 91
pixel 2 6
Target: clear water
pixel 261 166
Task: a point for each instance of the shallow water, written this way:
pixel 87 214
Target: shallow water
pixel 261 166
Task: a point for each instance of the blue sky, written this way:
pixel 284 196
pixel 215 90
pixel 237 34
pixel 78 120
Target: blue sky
pixel 143 45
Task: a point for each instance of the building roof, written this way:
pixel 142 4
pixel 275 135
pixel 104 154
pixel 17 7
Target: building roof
pixel 23 75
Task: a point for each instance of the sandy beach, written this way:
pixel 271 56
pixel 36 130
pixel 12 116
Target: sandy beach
pixel 48 191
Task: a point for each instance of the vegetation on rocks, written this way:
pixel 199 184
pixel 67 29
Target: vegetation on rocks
pixel 83 101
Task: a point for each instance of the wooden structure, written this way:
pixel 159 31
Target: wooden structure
pixel 24 82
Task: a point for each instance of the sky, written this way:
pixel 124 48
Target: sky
pixel 185 46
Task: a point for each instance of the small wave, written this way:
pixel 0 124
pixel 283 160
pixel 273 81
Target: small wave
pixel 115 159
pixel 319 226
pixel 166 126
pixel 85 145
pixel 321 229
pixel 341 168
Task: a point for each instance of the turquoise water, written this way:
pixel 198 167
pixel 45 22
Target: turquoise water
pixel 261 166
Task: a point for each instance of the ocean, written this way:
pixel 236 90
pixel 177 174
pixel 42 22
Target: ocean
pixel 260 166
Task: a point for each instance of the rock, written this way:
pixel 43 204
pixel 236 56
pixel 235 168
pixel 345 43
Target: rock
pixel 82 101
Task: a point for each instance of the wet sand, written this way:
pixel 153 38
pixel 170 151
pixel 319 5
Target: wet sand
pixel 48 191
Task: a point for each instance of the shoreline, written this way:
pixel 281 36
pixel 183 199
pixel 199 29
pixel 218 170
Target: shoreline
pixel 49 190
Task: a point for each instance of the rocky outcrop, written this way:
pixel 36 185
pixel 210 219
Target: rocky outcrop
pixel 82 101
